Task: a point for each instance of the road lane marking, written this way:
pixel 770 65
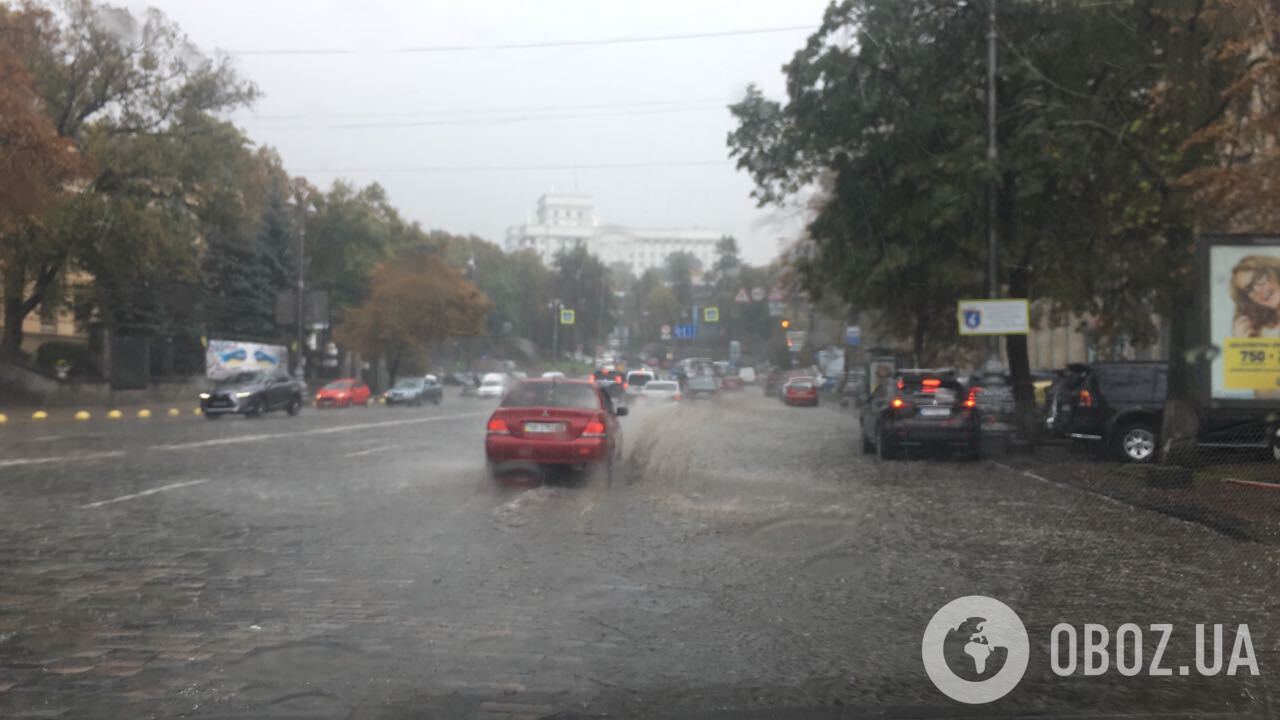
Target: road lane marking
pixel 317 431
pixel 12 462
pixel 144 493
pixel 371 450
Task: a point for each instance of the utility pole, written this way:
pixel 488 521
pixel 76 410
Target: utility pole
pixel 993 285
pixel 300 368
pixel 555 331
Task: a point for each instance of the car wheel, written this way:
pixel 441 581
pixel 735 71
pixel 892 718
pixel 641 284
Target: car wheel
pixel 257 407
pixel 1136 442
pixel 214 416
pixel 295 406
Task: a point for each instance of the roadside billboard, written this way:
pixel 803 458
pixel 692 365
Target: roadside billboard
pixel 225 358
pixel 1243 317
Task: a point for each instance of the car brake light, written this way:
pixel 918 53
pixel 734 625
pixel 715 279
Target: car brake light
pixel 972 400
pixel 898 403
pixel 498 426
pixel 1085 398
pixel 595 428
pixel 931 382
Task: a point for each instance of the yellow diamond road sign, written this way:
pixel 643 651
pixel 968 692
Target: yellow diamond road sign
pixel 566 317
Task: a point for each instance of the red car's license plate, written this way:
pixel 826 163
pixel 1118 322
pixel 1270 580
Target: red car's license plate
pixel 540 427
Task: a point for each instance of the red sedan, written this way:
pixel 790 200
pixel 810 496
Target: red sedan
pixel 800 391
pixel 553 423
pixel 343 393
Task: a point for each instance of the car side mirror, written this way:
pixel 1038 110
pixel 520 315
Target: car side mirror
pixel 620 411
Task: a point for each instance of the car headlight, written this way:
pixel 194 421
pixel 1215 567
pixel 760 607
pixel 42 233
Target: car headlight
pixel 204 396
pixel 243 394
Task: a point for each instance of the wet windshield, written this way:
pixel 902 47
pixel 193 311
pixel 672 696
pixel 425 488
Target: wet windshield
pixel 508 359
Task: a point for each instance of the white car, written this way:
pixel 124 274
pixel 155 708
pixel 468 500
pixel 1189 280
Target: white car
pixel 661 390
pixel 493 385
pixel 636 381
pixel 748 375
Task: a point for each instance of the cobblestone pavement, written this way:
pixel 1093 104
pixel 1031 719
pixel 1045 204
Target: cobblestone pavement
pixel 359 564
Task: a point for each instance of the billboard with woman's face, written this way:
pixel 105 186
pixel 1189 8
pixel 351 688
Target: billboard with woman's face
pixel 1244 320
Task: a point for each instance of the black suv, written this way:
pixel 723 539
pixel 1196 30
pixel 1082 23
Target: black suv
pixel 1118 404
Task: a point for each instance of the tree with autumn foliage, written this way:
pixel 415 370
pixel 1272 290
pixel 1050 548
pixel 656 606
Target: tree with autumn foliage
pixel 415 301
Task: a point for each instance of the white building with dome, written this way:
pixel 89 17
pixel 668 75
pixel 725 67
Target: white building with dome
pixel 564 221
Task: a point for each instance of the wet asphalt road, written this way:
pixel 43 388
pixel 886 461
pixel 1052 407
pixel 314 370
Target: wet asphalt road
pixel 358 564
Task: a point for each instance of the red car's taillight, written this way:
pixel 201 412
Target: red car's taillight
pixel 594 429
pixel 1085 398
pixel 498 426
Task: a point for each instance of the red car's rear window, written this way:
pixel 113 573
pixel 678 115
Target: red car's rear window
pixel 552 394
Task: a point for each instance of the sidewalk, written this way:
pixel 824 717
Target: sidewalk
pixel 14 414
pixel 1239 498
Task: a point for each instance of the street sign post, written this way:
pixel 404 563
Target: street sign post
pixel 993 317
pixel 686 331
pixel 776 309
pixel 853 336
pixel 711 314
pixel 757 294
pixel 566 316
pixel 666 332
pixel 741 297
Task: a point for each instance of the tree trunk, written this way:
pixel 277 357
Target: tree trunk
pixel 1181 422
pixel 14 285
pixel 16 306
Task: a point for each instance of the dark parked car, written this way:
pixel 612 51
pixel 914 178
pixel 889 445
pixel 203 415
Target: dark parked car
pixel 921 409
pixel 253 393
pixel 1117 404
pixel 773 380
pixel 992 390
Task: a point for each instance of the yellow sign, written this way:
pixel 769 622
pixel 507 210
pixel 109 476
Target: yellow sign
pixel 711 314
pixel 566 317
pixel 1251 364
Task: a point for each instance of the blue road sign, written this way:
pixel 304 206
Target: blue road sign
pixel 853 336
pixel 687 331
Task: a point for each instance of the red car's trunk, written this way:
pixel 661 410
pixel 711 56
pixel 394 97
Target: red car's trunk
pixel 572 421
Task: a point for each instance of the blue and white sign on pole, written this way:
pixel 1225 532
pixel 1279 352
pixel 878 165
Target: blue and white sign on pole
pixel 993 317
pixel 686 331
pixel 853 336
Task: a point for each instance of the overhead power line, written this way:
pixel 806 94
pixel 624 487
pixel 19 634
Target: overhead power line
pixel 484 110
pixel 622 40
pixel 480 121
pixel 518 168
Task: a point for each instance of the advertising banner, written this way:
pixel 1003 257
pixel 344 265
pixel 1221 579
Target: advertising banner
pixel 1244 320
pixel 225 358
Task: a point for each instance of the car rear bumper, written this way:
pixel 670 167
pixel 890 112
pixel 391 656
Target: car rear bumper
pixel 802 400
pixel 213 407
pixel 958 436
pixel 506 449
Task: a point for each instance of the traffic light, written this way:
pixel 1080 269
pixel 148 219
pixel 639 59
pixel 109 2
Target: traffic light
pixel 785 323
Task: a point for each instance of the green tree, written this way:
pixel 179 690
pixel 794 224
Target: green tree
pixel 111 84
pixel 680 267
pixel 891 127
pixel 582 282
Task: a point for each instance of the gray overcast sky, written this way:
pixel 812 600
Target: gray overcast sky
pixel 652 102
